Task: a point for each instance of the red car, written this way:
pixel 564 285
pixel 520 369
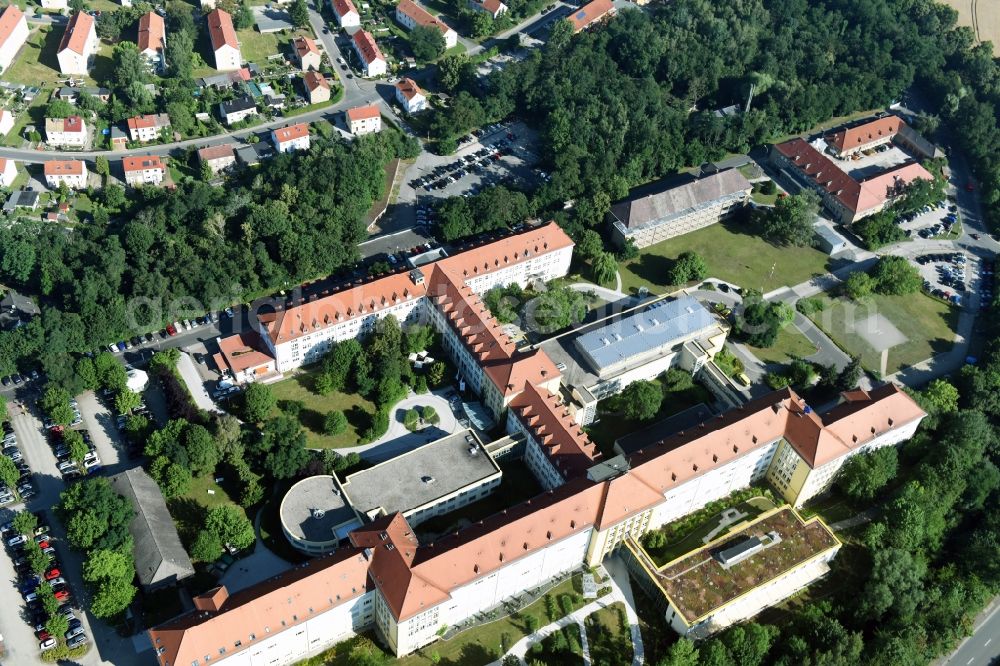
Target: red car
pixel 43 544
pixel 43 635
pixel 171 330
pixel 52 574
pixel 62 595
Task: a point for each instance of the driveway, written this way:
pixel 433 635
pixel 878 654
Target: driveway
pixel 192 378
pixel 100 421
pixel 398 439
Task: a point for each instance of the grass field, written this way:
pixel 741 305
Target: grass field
pixel 316 407
pixel 190 509
pixel 983 16
pixel 733 254
pixel 790 343
pixel 37 64
pixel 928 324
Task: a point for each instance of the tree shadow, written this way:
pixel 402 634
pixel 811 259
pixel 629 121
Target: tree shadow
pixel 652 268
pixel 190 516
pixel 358 417
pixel 312 420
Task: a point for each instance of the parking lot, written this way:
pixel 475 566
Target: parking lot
pixel 955 276
pixel 501 154
pixel 931 221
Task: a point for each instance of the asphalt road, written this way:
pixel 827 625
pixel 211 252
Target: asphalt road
pixel 982 647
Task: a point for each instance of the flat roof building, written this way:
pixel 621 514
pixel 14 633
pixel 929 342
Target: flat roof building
pixel 428 481
pixel 679 207
pixel 739 574
pixel 315 516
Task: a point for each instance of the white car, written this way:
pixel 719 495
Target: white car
pixel 17 540
pixel 57 581
pixel 47 644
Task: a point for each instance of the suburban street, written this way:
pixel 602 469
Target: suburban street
pixel 981 648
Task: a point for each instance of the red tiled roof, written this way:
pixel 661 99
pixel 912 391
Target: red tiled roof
pixel 151 32
pixel 492 6
pixel 343 7
pixel 64 168
pixel 8 21
pixel 560 437
pixel 408 88
pixel 148 120
pixel 72 124
pixel 77 30
pixel 363 112
pixel 366 45
pixel 142 163
pixel 314 80
pixel 304 46
pixel 242 350
pixel 861 135
pixel 421 16
pixel 855 196
pixel 215 152
pixel 291 133
pixel 221 30
pixel 590 13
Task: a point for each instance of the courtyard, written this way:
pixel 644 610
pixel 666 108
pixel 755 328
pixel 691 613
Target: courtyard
pixel 909 328
pixel 301 388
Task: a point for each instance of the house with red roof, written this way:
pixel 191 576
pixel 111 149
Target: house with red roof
pixel 8 172
pixel 69 132
pixel 492 7
pixel 364 119
pixel 225 45
pixel 218 158
pixel 144 170
pixel 410 96
pixel 78 45
pixel 291 138
pixel 72 173
pixel 410 15
pixel 591 14
pixel 373 63
pixel 317 88
pixel 307 55
pixel 153 39
pixel 13 35
pixel 347 15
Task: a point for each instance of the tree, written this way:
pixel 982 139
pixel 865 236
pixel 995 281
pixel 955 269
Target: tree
pixel 243 19
pixel 55 403
pixel 111 598
pixel 104 564
pixel 59 108
pixel 126 401
pixel 641 400
pixel 111 373
pixel 57 625
pixel 8 472
pixel 859 286
pixel 283 447
pixel 206 547
pixel 895 584
pixel 761 320
pixel 896 276
pixel 850 376
pixel 531 623
pixel 427 43
pixel 863 476
pixel 555 309
pixel 791 220
pixel 258 402
pixel 429 415
pixel 939 397
pixel 38 561
pixel 94 514
pixel 435 373
pixel 681 653
pixel 299 13
pixel 102 166
pixel 411 418
pixel 78 448
pixel 203 453
pixel 605 268
pixel 418 338
pixel 25 522
pixel 689 266
pixel 334 422
pixel 46 595
pixel 86 373
pixel 231 525
pixel 450 69
pixel 482 25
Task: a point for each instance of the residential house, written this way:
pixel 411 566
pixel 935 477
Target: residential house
pixel 68 132
pixel 674 207
pixel 225 46
pixel 13 35
pixel 252 154
pixel 6 122
pixel 410 15
pixel 235 110
pixel 119 140
pixel 591 14
pixel 8 172
pixel 21 199
pixel 218 158
pixel 410 96
pixel 372 61
pixel 147 128
pixel 152 39
pixel 144 169
pixel 317 88
pixel 291 138
pixel 55 5
pixel 347 15
pixel 364 119
pixel 160 558
pixel 78 45
pixel 71 172
pixel 492 7
pixel 307 55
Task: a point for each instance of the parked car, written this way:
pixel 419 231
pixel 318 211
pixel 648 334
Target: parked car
pixel 18 540
pixel 47 644
pixel 77 641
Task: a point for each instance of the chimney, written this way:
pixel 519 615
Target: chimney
pixel 212 600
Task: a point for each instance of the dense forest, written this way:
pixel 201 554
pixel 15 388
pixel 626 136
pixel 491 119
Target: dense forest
pixel 161 254
pixel 634 100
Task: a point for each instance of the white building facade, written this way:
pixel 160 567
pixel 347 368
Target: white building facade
pixel 13 35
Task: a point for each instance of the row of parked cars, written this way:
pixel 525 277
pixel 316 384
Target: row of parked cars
pixel 17 378
pixel 28 583
pixel 26 482
pixel 134 447
pixel 168 332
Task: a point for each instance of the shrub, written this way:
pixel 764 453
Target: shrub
pixel 776 380
pixel 430 415
pixel 411 419
pixel 334 423
pixel 808 306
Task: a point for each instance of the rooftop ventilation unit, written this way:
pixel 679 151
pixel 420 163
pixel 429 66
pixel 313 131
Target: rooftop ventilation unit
pixel 318 513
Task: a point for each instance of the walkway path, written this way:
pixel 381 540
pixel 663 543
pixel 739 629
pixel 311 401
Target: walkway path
pixel 621 590
pixel 865 516
pixel 185 365
pixel 256 567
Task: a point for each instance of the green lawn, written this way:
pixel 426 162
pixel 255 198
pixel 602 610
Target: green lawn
pixel 190 509
pixel 733 254
pixel 928 324
pixel 256 47
pixel 481 644
pixel 790 343
pixel 608 635
pixel 355 407
pixel 612 425
pixel 37 64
